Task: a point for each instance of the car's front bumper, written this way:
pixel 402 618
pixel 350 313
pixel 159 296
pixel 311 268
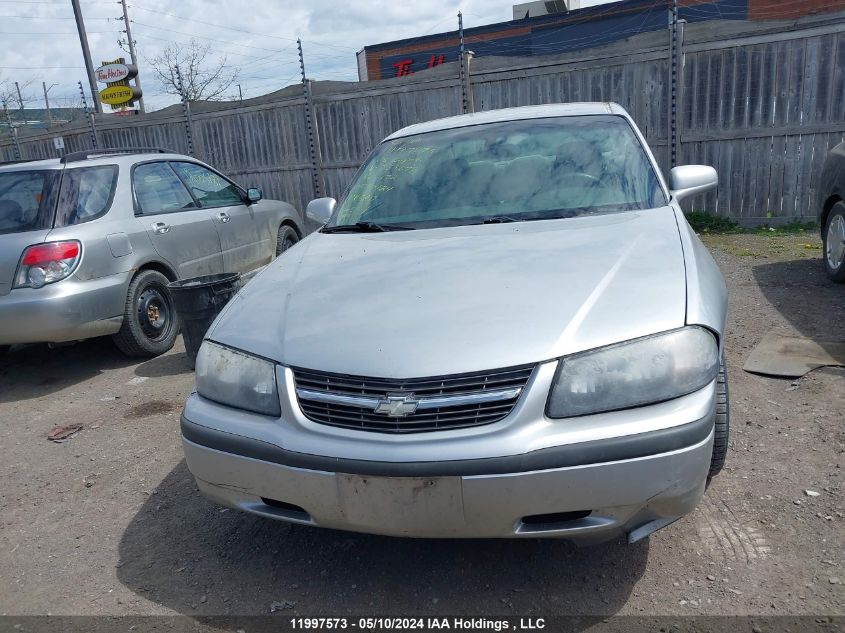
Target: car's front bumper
pixel 67 310
pixel 595 490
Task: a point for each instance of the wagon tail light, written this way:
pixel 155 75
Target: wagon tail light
pixel 46 263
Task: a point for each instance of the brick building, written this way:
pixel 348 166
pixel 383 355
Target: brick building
pixel 567 31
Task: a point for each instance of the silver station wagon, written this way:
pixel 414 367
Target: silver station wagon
pixel 506 328
pixel 89 242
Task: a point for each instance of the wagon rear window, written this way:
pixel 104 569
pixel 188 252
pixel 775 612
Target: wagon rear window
pixel 27 200
pixel 86 194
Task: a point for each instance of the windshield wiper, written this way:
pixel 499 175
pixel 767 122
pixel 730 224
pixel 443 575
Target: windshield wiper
pixel 551 214
pixel 365 227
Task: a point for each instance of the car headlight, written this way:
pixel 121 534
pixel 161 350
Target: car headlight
pixel 237 379
pixel 643 371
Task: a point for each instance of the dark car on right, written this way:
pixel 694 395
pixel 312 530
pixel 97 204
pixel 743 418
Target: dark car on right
pixel 832 213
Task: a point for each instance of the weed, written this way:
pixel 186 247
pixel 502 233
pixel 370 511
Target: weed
pixel 703 222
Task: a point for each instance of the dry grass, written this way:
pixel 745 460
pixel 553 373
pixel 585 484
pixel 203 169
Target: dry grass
pixel 775 247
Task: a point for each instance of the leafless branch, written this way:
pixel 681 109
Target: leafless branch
pixel 9 93
pixel 201 80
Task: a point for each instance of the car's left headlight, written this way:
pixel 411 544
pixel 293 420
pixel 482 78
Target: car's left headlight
pixel 237 379
pixel 635 373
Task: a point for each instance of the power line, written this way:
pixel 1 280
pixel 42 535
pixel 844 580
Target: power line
pixel 213 39
pixel 51 32
pixel 232 28
pixel 147 36
pixel 37 67
pixel 41 17
pixel 202 37
pixel 55 3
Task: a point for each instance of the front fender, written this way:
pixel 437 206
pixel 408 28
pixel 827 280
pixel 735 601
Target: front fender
pixel 707 294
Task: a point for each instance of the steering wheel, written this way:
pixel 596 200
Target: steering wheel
pixel 582 185
pixel 588 177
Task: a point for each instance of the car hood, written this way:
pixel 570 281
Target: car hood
pixel 461 299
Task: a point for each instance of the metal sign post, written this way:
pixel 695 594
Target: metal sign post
pixel 86 53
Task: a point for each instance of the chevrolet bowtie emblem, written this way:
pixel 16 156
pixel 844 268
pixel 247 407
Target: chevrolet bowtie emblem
pixel 397 406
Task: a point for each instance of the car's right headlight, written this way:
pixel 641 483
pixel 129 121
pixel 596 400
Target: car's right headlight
pixel 237 379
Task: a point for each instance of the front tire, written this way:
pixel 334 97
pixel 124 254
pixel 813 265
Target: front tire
pixel 286 238
pixel 723 424
pixel 834 243
pixel 150 324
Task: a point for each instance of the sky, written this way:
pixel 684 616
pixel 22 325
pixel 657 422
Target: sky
pixel 39 43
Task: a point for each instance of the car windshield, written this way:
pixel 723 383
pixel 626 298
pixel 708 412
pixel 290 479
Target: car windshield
pixel 503 172
pixel 27 200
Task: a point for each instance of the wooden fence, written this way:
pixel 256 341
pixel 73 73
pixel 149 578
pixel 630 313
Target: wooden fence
pixel 761 102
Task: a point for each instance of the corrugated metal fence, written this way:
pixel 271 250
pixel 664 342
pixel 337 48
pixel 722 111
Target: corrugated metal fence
pixel 761 102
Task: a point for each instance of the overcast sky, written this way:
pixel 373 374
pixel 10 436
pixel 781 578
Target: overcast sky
pixel 38 40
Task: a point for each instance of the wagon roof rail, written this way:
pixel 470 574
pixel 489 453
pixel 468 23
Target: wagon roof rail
pixel 17 161
pixel 73 157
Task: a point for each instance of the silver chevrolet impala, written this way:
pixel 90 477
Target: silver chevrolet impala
pixel 506 328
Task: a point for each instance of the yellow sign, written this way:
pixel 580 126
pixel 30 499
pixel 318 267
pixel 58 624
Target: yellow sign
pixel 118 95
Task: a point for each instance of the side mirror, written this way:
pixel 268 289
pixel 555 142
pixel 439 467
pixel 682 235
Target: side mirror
pixel 691 180
pixel 253 194
pixel 320 210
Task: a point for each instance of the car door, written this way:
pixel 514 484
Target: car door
pixel 238 224
pixel 182 232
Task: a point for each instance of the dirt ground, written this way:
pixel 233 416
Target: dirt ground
pixel 110 521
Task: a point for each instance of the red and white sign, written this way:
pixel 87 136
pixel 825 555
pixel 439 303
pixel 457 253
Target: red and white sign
pixel 115 72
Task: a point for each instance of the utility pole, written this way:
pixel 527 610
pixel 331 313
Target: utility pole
pixel 86 53
pixel 240 93
pixel 20 98
pixel 132 54
pixel 47 104
pixel 464 105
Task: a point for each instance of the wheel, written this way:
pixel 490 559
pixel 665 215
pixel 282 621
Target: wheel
pixel 285 239
pixel 723 424
pixel 834 243
pixel 150 324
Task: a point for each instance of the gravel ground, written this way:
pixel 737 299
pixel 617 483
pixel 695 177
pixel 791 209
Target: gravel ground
pixel 110 522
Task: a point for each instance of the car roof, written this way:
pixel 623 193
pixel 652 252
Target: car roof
pixel 511 114
pixel 50 163
pixel 127 159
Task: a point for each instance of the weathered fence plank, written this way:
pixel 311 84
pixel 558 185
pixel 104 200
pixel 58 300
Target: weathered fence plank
pixel 762 102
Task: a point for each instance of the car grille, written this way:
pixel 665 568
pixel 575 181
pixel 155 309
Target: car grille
pixel 445 402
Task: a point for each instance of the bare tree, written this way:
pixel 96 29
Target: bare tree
pixel 201 80
pixel 9 92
